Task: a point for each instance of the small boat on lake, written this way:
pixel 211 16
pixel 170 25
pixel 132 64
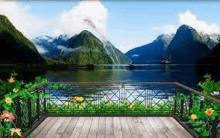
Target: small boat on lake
pixel 166 60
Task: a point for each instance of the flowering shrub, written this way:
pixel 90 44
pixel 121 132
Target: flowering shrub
pixel 202 117
pixel 10 90
pixel 210 87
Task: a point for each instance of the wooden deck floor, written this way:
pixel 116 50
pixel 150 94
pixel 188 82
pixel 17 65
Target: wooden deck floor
pixel 110 127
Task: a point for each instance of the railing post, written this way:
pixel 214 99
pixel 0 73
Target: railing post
pixel 18 113
pixel 175 103
pixel 2 134
pixel 190 103
pixel 29 112
pixel 181 109
pixel 214 128
pixel 38 105
pixel 45 110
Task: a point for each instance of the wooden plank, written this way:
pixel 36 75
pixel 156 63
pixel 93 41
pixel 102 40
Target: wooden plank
pixel 101 128
pixel 93 130
pixel 68 131
pixel 140 127
pixel 86 127
pixel 164 128
pixel 180 128
pixel 133 130
pixel 78 128
pixel 124 127
pixel 157 129
pixel 109 127
pixel 47 127
pixel 117 127
pixel 63 126
pixel 172 127
pixel 52 132
pixel 41 126
pixel 148 127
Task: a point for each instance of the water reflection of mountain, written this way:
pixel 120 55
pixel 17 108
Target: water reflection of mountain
pixel 166 69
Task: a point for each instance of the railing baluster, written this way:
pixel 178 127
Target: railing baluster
pixel 29 112
pixel 45 109
pixel 190 103
pixel 18 113
pixel 38 105
pixel 215 127
pixel 181 109
pixel 175 103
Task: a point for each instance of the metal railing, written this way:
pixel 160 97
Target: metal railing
pixel 155 96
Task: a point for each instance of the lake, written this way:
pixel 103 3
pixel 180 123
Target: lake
pixel 189 75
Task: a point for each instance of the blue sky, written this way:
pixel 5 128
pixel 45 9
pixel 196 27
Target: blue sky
pixel 125 24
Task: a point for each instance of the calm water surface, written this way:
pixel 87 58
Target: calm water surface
pixel 189 75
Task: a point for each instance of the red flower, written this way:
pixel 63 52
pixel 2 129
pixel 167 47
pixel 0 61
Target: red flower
pixel 8 116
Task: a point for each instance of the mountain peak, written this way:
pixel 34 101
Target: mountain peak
pixel 184 26
pixel 187 33
pixel 85 32
pixel 3 16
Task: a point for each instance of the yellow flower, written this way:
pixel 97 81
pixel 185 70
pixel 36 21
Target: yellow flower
pixel 78 99
pixel 19 131
pixel 8 100
pixel 11 80
pixel 193 116
pixel 67 103
pixel 209 112
pixel 131 106
pixel 12 131
pixel 15 90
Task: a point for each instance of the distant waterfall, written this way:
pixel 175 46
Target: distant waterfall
pixel 104 41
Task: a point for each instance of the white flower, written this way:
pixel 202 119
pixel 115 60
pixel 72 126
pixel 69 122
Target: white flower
pixel 170 99
pixel 202 98
pixel 215 93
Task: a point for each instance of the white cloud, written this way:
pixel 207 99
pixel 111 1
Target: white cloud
pixel 166 29
pixel 57 33
pixel 41 49
pixel 127 45
pixel 72 22
pixel 62 48
pixel 19 16
pixel 190 19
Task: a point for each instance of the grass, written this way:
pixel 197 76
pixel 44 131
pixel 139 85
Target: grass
pixel 107 108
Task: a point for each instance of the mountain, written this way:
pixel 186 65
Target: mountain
pixel 187 47
pixel 209 41
pixel 52 46
pixel 116 54
pixel 15 47
pixel 86 49
pixel 215 54
pixel 152 51
pixel 65 49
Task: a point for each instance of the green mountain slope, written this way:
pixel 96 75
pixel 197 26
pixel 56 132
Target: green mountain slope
pixel 87 50
pixel 15 48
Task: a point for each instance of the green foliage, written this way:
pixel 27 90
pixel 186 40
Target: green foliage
pixel 22 93
pixel 90 50
pixel 20 44
pixel 209 86
pixel 202 123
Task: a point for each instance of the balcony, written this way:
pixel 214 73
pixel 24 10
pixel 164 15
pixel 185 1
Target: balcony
pixel 111 109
